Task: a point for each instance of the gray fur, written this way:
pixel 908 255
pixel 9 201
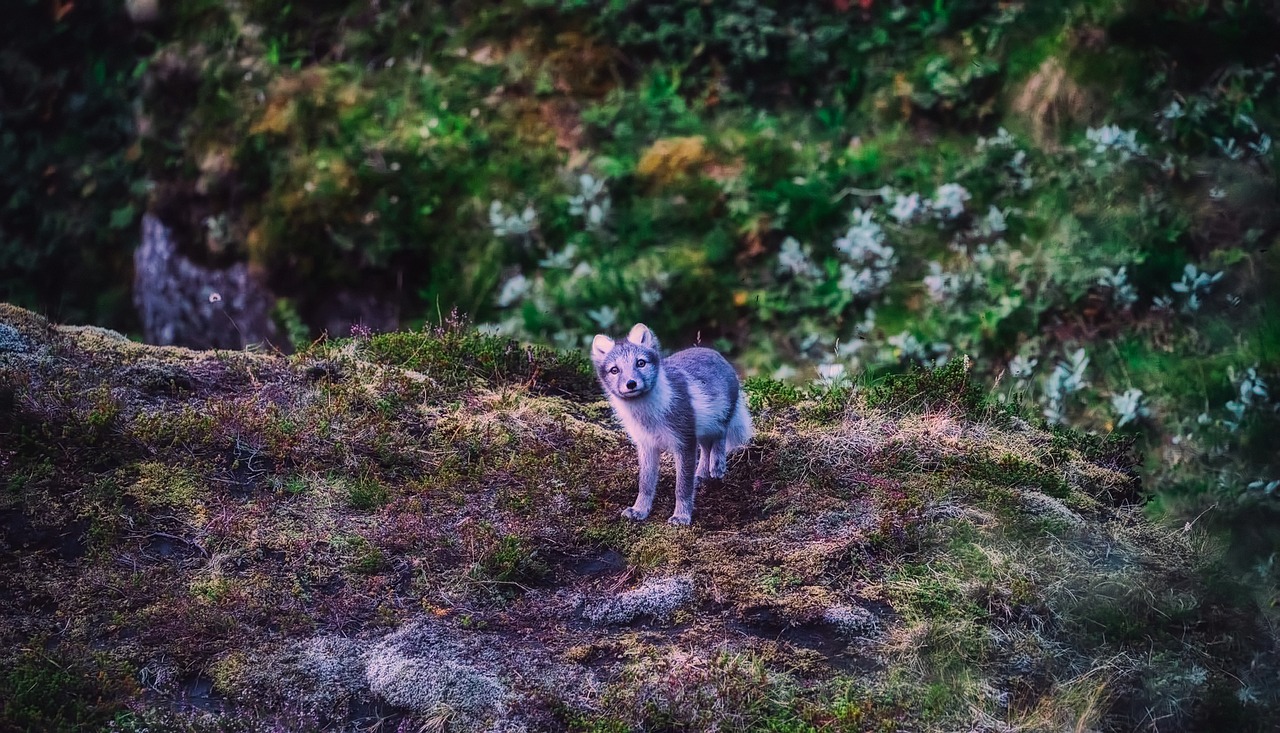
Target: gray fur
pixel 688 404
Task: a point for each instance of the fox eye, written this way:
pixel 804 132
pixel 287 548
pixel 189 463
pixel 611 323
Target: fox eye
pixel 640 363
pixel 613 370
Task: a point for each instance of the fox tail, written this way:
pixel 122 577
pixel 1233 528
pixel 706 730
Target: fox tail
pixel 739 430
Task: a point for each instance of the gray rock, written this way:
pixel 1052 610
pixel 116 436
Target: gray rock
pixel 184 303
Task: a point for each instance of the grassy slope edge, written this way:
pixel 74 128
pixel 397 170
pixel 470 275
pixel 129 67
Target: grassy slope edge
pixel 423 528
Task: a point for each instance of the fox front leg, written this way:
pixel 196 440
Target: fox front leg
pixel 686 485
pixel 648 484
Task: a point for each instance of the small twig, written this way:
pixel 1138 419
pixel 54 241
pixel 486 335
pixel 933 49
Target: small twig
pixel 524 588
pixel 622 580
pixel 222 480
pixel 1187 527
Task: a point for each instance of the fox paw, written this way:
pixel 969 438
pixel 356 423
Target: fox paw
pixel 679 520
pixel 633 514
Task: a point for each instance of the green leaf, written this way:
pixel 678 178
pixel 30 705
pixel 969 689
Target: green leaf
pixel 123 217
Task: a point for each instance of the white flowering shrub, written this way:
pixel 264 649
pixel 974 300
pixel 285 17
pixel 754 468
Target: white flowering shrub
pixel 946 286
pixel 949 201
pixel 605 317
pixel 995 223
pixel 1229 148
pixel 1002 156
pixel 505 222
pixel 562 260
pixel 1066 379
pixel 513 290
pixel 1173 111
pixel 1245 127
pixel 785 373
pixel 1116 281
pixel 1262 147
pixel 1128 406
pixel 941 285
pixel 1251 392
pixel 1111 142
pixel 869 261
pixel 908 207
pixel 1002 139
pixel 1266 487
pixel 564 277
pixel 592 202
pixel 1193 285
pixel 796 260
pixel 864 236
pixel 907 347
pixel 1021 367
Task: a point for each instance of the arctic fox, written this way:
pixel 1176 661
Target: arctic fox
pixel 688 404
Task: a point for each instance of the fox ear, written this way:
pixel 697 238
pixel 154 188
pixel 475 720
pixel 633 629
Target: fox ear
pixel 642 336
pixel 600 346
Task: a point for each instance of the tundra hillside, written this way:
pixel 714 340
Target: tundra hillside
pixel 418 531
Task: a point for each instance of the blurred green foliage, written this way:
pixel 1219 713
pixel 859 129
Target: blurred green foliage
pixel 72 190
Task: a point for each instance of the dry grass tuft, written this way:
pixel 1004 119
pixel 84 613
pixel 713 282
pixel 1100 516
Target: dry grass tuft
pixel 1051 101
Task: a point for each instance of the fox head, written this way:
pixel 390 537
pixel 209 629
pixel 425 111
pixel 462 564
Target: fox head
pixel 629 368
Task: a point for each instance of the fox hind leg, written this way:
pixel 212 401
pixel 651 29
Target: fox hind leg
pixel 717 461
pixel 706 450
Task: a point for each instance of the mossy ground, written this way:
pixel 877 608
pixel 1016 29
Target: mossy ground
pixel 423 529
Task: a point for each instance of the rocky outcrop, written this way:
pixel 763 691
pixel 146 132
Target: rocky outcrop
pixel 184 303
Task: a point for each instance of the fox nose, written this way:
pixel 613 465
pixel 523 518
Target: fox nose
pixel 631 384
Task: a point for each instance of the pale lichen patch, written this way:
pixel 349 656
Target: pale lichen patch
pixel 657 599
pixel 851 620
pixel 11 341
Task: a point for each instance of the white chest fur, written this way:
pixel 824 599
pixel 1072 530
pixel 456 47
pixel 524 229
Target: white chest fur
pixel 645 419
